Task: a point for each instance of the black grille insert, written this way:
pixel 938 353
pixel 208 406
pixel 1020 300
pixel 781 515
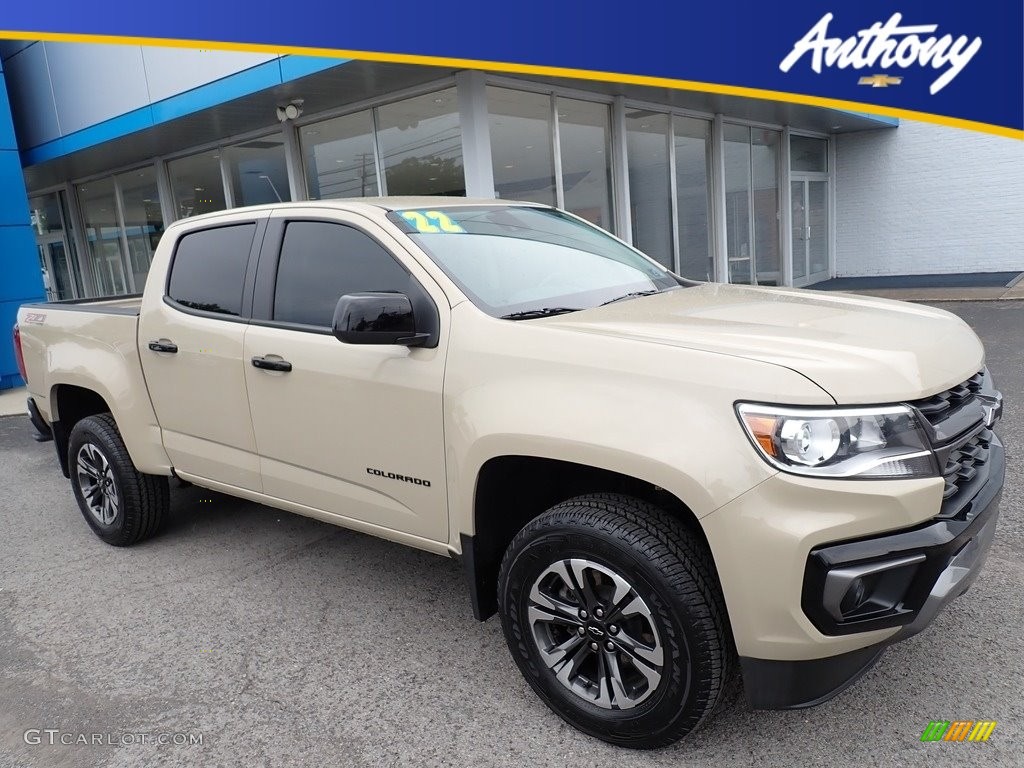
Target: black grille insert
pixel 964 464
pixel 937 407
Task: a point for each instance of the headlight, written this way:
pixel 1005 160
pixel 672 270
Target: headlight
pixel 840 442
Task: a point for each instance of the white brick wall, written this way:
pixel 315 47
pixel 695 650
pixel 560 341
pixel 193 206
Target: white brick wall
pixel 925 199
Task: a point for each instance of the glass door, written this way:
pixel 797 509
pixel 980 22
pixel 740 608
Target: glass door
pixel 752 204
pixel 809 209
pixel 56 254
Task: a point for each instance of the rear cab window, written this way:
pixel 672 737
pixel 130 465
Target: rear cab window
pixel 208 269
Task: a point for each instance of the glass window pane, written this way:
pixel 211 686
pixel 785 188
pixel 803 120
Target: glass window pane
pixel 56 247
pixel 45 215
pixel 208 271
pixel 817 222
pixel 692 147
pixel 143 221
pixel 421 145
pixel 103 235
pixel 583 129
pixel 521 137
pixel 798 213
pixel 764 157
pixel 650 199
pixel 321 262
pixel 737 201
pixel 259 173
pixel 338 156
pixel 197 184
pixel 521 258
pixel 807 154
pixel 70 246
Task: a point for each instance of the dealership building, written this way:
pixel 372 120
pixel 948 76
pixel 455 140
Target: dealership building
pixel 104 145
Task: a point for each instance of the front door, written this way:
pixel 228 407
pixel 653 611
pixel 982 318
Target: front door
pixel 809 208
pixel 352 430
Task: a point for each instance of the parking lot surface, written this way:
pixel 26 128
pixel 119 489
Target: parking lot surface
pixel 281 640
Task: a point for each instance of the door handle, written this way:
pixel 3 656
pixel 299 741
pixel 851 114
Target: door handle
pixel 271 365
pixel 163 346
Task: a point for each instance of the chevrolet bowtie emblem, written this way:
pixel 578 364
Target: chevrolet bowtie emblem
pixel 879 81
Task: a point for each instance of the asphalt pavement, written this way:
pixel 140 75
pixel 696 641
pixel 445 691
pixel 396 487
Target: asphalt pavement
pixel 280 640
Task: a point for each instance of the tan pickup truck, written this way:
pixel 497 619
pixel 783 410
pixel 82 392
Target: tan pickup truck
pixel 649 479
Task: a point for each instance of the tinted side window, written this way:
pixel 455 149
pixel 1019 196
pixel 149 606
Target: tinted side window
pixel 320 262
pixel 208 272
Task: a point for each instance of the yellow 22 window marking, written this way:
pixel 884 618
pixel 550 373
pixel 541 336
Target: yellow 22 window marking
pixel 431 222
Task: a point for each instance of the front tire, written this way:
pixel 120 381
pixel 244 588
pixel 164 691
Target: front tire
pixel 613 613
pixel 120 504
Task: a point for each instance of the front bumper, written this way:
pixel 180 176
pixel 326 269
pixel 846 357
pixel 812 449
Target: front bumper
pixel 903 579
pixel 917 571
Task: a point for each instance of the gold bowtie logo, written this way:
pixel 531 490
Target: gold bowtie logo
pixel 880 81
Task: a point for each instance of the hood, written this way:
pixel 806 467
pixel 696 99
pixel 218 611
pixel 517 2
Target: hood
pixel 858 349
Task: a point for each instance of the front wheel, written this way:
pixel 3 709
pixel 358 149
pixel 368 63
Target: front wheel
pixel 613 613
pixel 120 504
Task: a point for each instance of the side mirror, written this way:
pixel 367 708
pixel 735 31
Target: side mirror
pixel 376 318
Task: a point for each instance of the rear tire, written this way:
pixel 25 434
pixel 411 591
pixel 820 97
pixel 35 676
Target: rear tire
pixel 120 504
pixel 613 613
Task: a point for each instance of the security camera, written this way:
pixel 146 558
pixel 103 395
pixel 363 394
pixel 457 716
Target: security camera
pixel 289 111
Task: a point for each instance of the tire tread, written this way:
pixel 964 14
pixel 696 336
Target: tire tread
pixel 146 498
pixel 687 566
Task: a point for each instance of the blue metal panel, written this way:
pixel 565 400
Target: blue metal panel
pixel 235 86
pixel 294 67
pixel 881 120
pixel 8 367
pixel 20 277
pixel 115 128
pixel 19 261
pixel 258 78
pixel 13 203
pixel 7 137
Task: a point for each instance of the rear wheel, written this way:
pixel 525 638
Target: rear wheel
pixel 120 504
pixel 612 611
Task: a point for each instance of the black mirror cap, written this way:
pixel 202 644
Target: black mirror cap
pixel 377 317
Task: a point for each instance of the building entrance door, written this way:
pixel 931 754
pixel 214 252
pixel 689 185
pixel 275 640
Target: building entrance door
pixel 60 271
pixel 809 206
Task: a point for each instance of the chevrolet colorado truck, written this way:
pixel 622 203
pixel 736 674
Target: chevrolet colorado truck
pixel 656 483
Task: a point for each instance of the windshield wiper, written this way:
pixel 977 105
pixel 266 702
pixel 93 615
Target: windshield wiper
pixel 542 312
pixel 632 295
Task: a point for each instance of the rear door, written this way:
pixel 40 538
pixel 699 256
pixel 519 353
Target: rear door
pixel 191 332
pixel 352 430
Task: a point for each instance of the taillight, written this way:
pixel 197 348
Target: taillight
pixel 19 356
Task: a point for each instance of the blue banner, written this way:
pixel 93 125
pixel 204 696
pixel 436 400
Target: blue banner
pixel 961 61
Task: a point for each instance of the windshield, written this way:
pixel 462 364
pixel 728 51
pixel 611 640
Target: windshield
pixel 519 262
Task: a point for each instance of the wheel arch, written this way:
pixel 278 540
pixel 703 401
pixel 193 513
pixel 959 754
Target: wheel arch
pixel 511 490
pixel 69 404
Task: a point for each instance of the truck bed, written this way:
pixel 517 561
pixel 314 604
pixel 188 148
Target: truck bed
pixel 90 345
pixel 112 305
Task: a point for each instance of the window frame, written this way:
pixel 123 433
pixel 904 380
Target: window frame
pixel 265 282
pixel 248 278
